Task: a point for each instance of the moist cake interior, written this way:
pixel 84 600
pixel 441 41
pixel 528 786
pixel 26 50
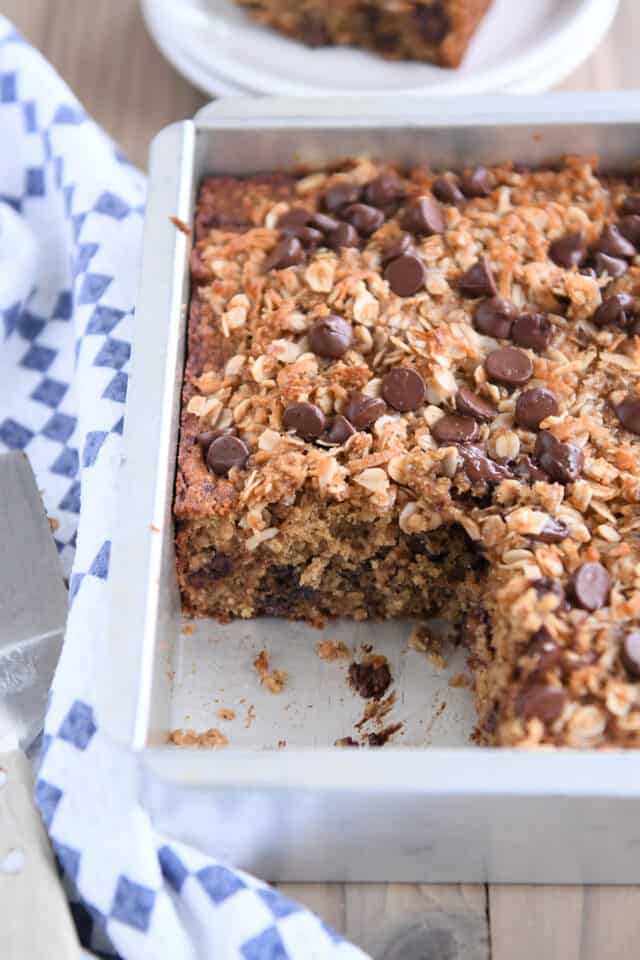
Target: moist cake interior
pixel 415 394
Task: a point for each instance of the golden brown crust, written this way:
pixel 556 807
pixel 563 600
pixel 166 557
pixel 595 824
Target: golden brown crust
pixel 374 527
pixel 396 29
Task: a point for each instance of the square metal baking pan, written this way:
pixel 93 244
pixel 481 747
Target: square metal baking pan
pixel 429 806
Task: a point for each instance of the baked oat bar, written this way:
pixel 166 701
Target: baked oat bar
pixel 434 31
pixel 417 394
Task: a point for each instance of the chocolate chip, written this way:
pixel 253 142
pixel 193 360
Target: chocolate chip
pixel 455 429
pixel 543 648
pixel 630 204
pixel 494 317
pixel 206 438
pixel 309 237
pixel 330 336
pixel 629 413
pixel 477 281
pixel 227 452
pixel 613 266
pixel 314 32
pixel 295 217
pixel 525 469
pixel 471 405
pixel 306 419
pixel 569 251
pixel 554 531
pixel 341 195
pixel 479 468
pixel 542 701
pixel 630 653
pixel 546 585
pixel 405 275
pixel 629 227
pixel 371 679
pixel 509 366
pixel 343 236
pixel 396 248
pixel 384 190
pixel 614 244
pixel 433 22
pixel 386 41
pixel 403 389
pixel 615 311
pixel 288 252
pixel 534 406
pixel 323 222
pixel 476 183
pixel 362 411
pixel 447 191
pixel 423 216
pixel 364 218
pixel 590 586
pixel 532 330
pixel 339 431
pixel 561 461
pixel 218 567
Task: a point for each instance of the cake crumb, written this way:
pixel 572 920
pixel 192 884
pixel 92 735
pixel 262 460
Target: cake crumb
pixel 226 713
pixel 181 225
pixel 377 710
pixel 459 680
pixel 346 742
pixel 187 629
pixel 275 681
pixel 282 744
pixel 251 715
pixel 261 662
pixel 370 677
pixel 332 650
pixel 54 523
pixel 381 737
pixel 189 738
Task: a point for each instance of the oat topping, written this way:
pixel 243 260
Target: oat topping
pixel 416 393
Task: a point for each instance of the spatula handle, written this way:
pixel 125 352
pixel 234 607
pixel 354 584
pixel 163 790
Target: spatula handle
pixel 36 923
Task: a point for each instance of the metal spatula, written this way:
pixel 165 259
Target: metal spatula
pixel 35 923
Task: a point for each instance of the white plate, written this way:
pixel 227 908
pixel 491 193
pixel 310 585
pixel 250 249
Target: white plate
pixel 216 46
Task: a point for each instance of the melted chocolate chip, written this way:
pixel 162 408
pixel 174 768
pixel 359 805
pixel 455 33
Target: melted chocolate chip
pixel 340 196
pixel 306 419
pixel 533 331
pixel 405 275
pixel 403 389
pixel 629 413
pixel 344 235
pixel 629 227
pixel 423 217
pixel 433 22
pixel 590 586
pixel 543 648
pixel 384 189
pixel 455 429
pixel 494 317
pixel 534 406
pixel 630 204
pixel 554 531
pixel 330 337
pixel 508 366
pixel 615 311
pixel 526 470
pixel 218 567
pixel 362 410
pixel 541 701
pixel 477 281
pixel 364 218
pixel 546 585
pixel 295 217
pixel 288 252
pixel 227 452
pixel 370 679
pixel 447 191
pixel 561 461
pixel 569 251
pixel 613 266
pixel 615 244
pixel 339 431
pixel 470 404
pixel 479 468
pixel 476 183
pixel 309 237
pixel 323 222
pixel 630 653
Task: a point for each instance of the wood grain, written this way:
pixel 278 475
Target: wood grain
pixel 102 50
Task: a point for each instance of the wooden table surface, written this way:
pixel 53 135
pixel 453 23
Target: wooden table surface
pixel 103 51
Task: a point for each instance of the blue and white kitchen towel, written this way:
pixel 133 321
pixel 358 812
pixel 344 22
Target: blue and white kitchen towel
pixel 70 233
